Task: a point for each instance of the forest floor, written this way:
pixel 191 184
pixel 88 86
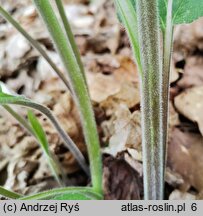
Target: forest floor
pixel 114 89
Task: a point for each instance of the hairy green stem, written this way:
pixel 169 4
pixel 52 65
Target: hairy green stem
pixel 70 35
pixel 80 90
pixel 151 99
pixel 9 194
pixel 35 44
pixel 168 38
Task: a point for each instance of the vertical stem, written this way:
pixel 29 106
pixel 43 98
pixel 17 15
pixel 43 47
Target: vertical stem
pixel 168 38
pixel 69 34
pixel 151 99
pixel 79 88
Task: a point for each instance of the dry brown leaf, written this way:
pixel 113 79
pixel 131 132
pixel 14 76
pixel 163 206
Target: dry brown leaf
pixel 107 39
pixel 190 104
pixel 44 69
pixel 120 181
pixel 192 75
pixel 18 83
pixel 173 179
pixel 125 131
pixel 81 20
pixel 188 38
pixel 185 152
pixel 19 172
pixel 113 81
pixel 102 86
pixel 178 195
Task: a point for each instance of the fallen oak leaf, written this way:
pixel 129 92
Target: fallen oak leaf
pixel 190 104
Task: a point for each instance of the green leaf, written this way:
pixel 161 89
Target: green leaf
pixel 127 13
pixel 73 196
pixel 78 195
pixel 42 139
pixel 163 13
pixel 38 131
pixel 79 87
pixel 58 192
pixel 186 11
pixel 9 194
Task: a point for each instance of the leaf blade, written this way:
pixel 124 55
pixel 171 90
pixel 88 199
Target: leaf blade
pixel 59 191
pixel 127 12
pixel 186 11
pixel 39 132
pixel 78 195
pixel 9 194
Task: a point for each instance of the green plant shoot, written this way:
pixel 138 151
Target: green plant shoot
pixel 147 25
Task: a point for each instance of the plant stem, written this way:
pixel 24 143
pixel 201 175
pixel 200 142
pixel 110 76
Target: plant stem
pixel 79 88
pixel 9 194
pixel 70 35
pixel 168 38
pixel 35 44
pixel 151 99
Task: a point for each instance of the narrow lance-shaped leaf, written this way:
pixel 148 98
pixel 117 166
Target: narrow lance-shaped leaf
pixel 77 195
pixel 167 52
pixel 79 88
pixel 70 35
pixel 39 132
pixel 23 101
pixel 41 137
pixel 72 196
pixel 127 14
pixel 60 191
pixel 9 194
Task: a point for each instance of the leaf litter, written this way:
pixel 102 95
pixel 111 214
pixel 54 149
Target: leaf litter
pixel 113 83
